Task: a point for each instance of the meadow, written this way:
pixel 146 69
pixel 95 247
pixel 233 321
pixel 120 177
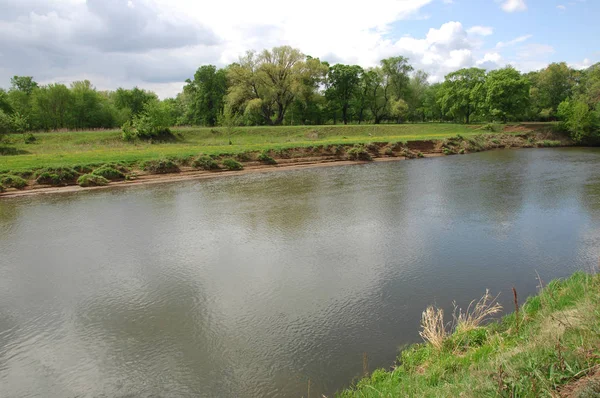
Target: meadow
pixel 67 149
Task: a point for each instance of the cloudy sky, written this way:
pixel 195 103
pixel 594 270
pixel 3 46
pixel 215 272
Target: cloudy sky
pixel 157 44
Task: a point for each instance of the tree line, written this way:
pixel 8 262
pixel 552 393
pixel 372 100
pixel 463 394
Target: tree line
pixel 282 86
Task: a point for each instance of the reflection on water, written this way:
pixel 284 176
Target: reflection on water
pixel 249 286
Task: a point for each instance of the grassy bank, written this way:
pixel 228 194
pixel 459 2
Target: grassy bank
pixel 80 148
pixel 550 347
pixel 67 158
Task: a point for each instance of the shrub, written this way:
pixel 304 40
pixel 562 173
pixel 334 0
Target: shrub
pixel 109 172
pixel 91 180
pixel 29 138
pixel 151 124
pixel 243 157
pixel 56 176
pixel 83 169
pixel 1 188
pixel 163 166
pixel 359 153
pixel 205 163
pixel 266 159
pixel 232 164
pixel 12 181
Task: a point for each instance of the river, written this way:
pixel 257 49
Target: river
pixel 250 286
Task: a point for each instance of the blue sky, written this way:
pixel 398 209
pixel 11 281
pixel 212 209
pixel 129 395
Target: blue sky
pixel 571 28
pixel 157 44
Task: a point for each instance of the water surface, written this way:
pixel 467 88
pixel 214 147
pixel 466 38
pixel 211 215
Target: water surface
pixel 249 286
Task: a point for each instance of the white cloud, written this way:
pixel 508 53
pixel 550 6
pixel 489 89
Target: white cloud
pixel 519 39
pixel 586 63
pixel 514 5
pixel 481 30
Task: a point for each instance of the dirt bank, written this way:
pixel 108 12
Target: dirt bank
pixel 324 156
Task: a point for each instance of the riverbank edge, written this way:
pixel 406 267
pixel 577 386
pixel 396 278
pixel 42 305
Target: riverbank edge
pixel 323 156
pixel 548 346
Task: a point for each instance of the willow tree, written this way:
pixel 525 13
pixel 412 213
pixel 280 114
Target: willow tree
pixel 265 85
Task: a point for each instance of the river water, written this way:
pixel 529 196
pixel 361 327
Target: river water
pixel 250 286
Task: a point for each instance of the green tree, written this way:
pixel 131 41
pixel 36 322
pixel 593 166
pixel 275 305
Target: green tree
pixel 462 93
pixel 507 93
pixel 207 95
pixel 417 89
pixel 132 101
pixel 582 122
pixel 51 106
pixel 554 84
pixel 343 87
pixel 397 70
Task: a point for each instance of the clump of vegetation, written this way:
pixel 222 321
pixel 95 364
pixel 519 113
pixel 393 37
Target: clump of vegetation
pixel 549 143
pixel 12 181
pixel 153 123
pixel 2 188
pixel 91 180
pixel 546 344
pixel 359 153
pixel 83 169
pixel 205 163
pixel 163 166
pixel 56 176
pixel 244 157
pixel 109 172
pixel 232 164
pixel 265 158
pixel 29 138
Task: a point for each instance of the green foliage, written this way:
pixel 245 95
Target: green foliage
pixel 109 172
pixel 244 157
pixel 205 95
pixel 92 180
pixel 2 189
pixel 265 158
pixel 5 123
pixel 56 176
pixel 463 93
pixel 205 163
pixel 359 153
pixel 151 124
pixel 582 122
pixel 12 181
pixel 553 342
pixel 29 138
pixel 163 166
pixel 507 94
pixel 232 164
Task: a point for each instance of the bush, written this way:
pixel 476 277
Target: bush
pixel 83 169
pixel 266 159
pixel 205 163
pixel 151 124
pixel 12 181
pixel 109 172
pixel 231 164
pixel 1 188
pixel 56 176
pixel 359 153
pixel 29 138
pixel 243 157
pixel 163 166
pixel 91 180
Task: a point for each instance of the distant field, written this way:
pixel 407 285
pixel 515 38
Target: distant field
pixel 81 148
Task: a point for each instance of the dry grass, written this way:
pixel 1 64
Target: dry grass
pixel 476 313
pixel 434 330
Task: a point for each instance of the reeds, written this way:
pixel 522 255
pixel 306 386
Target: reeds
pixel 477 312
pixel 434 330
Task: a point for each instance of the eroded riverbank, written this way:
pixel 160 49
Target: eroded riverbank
pixel 317 156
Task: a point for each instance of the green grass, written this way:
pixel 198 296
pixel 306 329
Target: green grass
pixel 98 147
pixel 554 341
